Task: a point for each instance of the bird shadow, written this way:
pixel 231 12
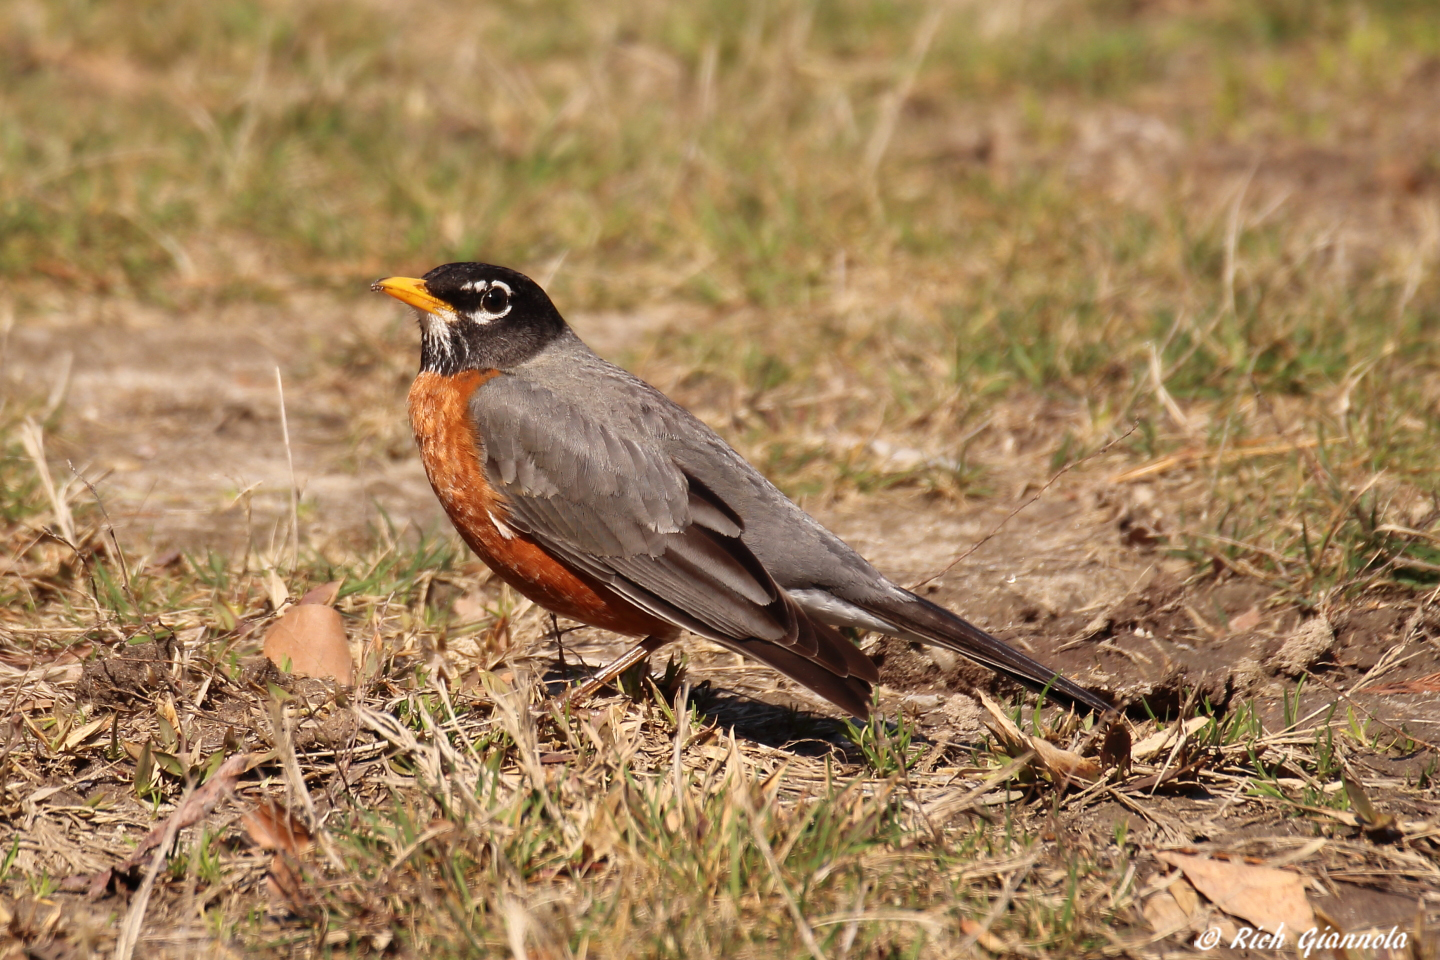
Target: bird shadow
pixel 778 726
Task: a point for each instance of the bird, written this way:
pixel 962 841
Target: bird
pixel 596 496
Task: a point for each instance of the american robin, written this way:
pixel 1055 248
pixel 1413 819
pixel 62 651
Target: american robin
pixel 602 500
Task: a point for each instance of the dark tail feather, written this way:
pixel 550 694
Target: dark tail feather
pixel 935 624
pixel 851 694
pixel 832 648
pixel 837 670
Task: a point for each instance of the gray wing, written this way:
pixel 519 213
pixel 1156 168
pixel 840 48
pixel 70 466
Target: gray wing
pixel 595 487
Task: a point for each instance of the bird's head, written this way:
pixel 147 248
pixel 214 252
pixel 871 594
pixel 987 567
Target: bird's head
pixel 476 316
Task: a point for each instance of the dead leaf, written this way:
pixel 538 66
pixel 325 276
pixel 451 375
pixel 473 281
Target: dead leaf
pixel 1377 825
pixel 470 608
pixel 1163 912
pixel 76 737
pixel 44 793
pixel 497 638
pixel 1426 684
pixel 324 595
pixel 1165 739
pixel 1264 896
pixel 309 641
pixel 1062 765
pixel 1185 895
pixel 283 884
pixel 1247 621
pixel 1154 781
pixel 201 801
pixel 1115 748
pixel 273 827
pixel 276 590
pixel 166 710
pixel 982 935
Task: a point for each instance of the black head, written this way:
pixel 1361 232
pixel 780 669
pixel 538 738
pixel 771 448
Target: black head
pixel 475 316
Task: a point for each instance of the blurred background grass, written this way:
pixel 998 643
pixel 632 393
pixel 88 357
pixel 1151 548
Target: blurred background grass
pixel 723 152
pixel 1213 218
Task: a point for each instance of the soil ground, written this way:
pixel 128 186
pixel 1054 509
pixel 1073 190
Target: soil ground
pixel 179 415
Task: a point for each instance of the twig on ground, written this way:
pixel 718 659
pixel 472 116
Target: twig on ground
pixel 290 462
pixel 130 927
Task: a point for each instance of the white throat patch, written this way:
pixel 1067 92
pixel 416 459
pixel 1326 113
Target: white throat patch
pixel 440 331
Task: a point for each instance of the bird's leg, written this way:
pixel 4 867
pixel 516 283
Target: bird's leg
pixel 560 646
pixel 616 667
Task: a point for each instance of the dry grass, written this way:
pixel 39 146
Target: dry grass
pixel 458 814
pixel 946 249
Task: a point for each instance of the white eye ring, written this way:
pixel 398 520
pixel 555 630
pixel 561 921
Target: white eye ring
pixel 480 314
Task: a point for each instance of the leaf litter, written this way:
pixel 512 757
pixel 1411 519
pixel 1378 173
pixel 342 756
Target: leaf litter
pixel 1264 896
pixel 309 639
pixel 394 785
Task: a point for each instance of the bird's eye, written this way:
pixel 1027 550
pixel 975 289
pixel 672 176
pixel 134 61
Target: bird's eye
pixel 495 301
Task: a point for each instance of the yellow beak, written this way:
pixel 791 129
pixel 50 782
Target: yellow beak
pixel 413 292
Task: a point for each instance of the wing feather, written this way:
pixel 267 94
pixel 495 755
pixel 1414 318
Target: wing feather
pixel 601 495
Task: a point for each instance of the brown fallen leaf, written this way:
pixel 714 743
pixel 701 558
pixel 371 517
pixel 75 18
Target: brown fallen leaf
pixel 1245 622
pixel 309 641
pixel 1115 749
pixel 1147 784
pixel 470 608
pixel 324 595
pixel 199 804
pixel 284 884
pixel 1164 913
pixel 1264 896
pixel 983 936
pixel 1185 896
pixel 76 737
pixel 1062 765
pixel 1377 825
pixel 273 827
pixel 1426 684
pixel 1177 907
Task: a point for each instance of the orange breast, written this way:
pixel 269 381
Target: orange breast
pixel 440 418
